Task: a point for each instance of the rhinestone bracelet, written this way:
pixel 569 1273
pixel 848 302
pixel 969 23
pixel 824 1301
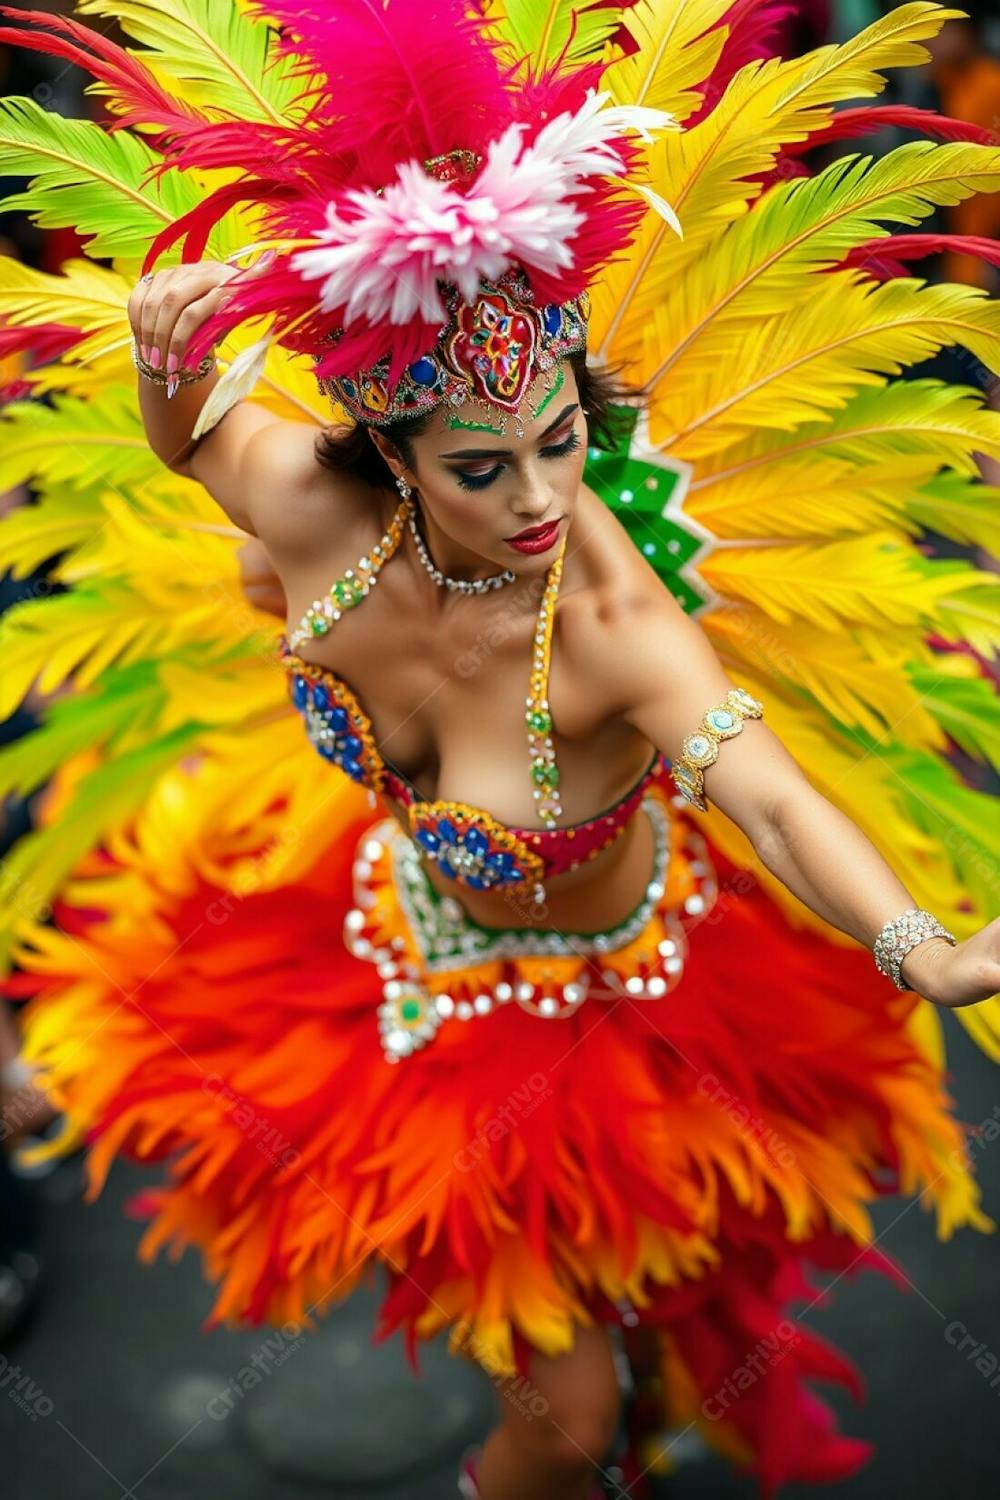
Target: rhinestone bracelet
pixel 899 935
pixel 160 377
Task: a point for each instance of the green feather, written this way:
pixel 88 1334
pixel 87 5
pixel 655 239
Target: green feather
pixel 212 43
pixel 541 28
pixel 967 707
pixel 86 178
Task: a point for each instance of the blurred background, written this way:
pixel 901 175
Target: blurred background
pixel 107 1385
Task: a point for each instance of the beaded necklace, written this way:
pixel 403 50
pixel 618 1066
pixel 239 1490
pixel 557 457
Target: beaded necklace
pixel 347 591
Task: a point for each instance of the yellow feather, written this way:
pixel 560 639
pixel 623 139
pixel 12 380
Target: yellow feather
pixel 855 681
pixel 680 42
pixel 830 585
pixel 707 172
pixel 790 368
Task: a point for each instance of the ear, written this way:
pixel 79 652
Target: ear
pixel 389 452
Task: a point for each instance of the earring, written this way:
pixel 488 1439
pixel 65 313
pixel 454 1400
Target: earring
pixel 403 487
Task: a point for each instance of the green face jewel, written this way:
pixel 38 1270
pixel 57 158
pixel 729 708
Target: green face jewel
pixel 456 425
pixel 557 387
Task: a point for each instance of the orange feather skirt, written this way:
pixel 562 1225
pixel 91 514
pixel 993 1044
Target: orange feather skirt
pixel 669 1128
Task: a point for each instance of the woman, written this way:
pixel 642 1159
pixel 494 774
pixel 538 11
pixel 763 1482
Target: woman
pixel 560 1069
pixel 631 675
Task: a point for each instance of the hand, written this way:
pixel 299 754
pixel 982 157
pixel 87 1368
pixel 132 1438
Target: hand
pixel 165 311
pixel 959 975
pixel 258 579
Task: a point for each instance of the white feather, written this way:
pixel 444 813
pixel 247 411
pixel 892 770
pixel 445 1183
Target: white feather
pixel 238 381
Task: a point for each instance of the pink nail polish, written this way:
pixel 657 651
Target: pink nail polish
pixel 267 257
pixel 172 384
pixel 171 362
pixel 154 357
pixel 144 351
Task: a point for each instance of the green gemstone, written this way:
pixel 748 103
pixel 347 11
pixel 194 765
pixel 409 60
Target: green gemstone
pixel 544 774
pixel 538 719
pixel 410 1010
pixel 347 592
pixel 319 625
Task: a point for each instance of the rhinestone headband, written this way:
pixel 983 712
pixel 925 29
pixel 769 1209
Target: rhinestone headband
pixel 490 351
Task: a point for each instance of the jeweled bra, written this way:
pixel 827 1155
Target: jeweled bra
pixel 466 844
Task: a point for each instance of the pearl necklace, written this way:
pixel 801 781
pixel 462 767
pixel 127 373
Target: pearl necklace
pixel 459 585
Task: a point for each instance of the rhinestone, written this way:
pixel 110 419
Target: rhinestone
pixel 355 920
pixel 656 986
pixel 399 1041
pixel 483 1004
pixel 362 869
pixel 694 904
pixel 654 890
pixel 667 947
pixel 634 985
pixel 387 971
pixel 444 1005
pixel 524 990
pixel 392 990
pixel 464 1010
pixel 372 849
pixel 362 948
pixel 548 1006
pixel 674 965
pixel 503 991
pixel 573 992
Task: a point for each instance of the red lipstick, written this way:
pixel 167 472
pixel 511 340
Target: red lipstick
pixel 535 538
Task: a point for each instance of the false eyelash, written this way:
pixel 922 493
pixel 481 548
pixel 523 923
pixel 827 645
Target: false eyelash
pixel 480 481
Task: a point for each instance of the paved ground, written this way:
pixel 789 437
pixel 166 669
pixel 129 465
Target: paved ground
pixel 130 1400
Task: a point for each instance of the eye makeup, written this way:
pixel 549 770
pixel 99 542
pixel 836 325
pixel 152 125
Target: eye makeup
pixel 481 481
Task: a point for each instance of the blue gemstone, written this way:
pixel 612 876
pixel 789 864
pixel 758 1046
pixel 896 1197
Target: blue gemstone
pixel 446 869
pixel 428 839
pixel 423 372
pixel 475 882
pixel 499 864
pixel 321 698
pixel 339 719
pixel 552 318
pixel 351 746
pixel 300 691
pixel 476 841
pixel 328 751
pixel 353 770
pixel 447 832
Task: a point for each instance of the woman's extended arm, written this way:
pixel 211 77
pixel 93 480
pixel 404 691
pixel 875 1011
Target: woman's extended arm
pixel 164 312
pixel 666 675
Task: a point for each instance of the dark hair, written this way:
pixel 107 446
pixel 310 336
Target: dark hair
pixel 602 395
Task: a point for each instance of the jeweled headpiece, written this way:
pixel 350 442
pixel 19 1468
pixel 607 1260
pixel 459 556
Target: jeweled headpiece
pixel 438 214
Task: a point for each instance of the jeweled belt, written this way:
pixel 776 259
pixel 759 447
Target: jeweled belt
pixel 420 940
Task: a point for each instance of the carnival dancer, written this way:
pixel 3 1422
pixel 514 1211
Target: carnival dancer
pixel 517 1026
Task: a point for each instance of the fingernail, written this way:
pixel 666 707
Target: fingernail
pixel 172 362
pixel 267 257
pixel 172 384
pixel 144 351
pixel 154 357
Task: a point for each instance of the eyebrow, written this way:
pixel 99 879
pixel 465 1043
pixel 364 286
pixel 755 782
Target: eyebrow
pixel 506 452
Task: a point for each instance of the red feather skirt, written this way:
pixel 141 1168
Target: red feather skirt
pixel 668 1129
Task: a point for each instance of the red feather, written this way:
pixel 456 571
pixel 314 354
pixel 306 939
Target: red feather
pixel 883 258
pixel 751 37
pixel 847 124
pixel 132 88
pixel 430 80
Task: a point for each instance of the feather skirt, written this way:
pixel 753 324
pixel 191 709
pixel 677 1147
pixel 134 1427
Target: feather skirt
pixel 678 1151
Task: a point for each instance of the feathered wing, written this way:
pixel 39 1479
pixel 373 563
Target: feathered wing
pixel 785 472
pixel 146 640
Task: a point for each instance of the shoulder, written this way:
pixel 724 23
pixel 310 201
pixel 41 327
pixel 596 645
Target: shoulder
pixel 615 616
pixel 264 472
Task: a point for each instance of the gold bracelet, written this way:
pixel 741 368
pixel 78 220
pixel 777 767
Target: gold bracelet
pixel 701 749
pixel 160 377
